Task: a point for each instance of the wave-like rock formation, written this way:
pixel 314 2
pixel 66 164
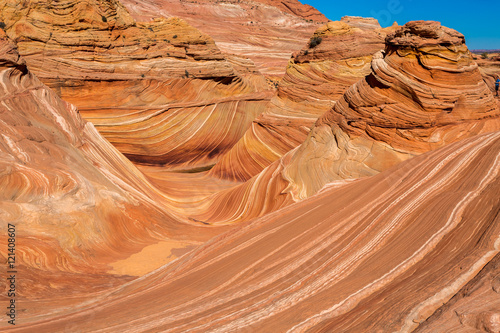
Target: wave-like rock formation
pixel 81 209
pixel 381 254
pixel 337 56
pixel 161 92
pixel 265 31
pixel 332 154
pixel 424 91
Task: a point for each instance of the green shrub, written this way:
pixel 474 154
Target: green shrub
pixel 315 41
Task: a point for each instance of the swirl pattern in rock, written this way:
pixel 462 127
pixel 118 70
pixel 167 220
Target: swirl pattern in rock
pixel 80 208
pixel 337 56
pixel 378 255
pixel 161 92
pixel 424 91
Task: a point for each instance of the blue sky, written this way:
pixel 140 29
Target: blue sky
pixel 478 20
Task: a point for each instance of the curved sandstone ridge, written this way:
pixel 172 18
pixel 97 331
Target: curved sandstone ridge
pixel 337 56
pixel 265 31
pixel 161 92
pixel 381 254
pixel 79 207
pixel 424 91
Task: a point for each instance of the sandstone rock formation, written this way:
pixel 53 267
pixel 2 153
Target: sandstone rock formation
pixel 161 92
pixel 108 245
pixel 79 206
pixel 337 56
pixel 490 69
pixel 475 307
pixel 424 91
pixel 331 154
pixel 265 31
pixel 378 255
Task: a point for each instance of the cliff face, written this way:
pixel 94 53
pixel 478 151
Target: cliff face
pixel 336 56
pixel 99 40
pixel 296 8
pixel 155 90
pixel 263 30
pixel 424 91
pixel 79 206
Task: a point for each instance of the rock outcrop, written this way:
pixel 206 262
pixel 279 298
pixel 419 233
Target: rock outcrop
pixel 79 207
pixel 265 31
pixel 161 92
pixel 105 244
pixel 490 69
pixel 424 91
pixel 337 56
pixel 379 255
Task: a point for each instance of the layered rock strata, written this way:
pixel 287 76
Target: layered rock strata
pixel 336 56
pixel 265 31
pixel 407 106
pixel 475 307
pixel 424 91
pixel 490 69
pixel 380 254
pixel 161 92
pixel 81 210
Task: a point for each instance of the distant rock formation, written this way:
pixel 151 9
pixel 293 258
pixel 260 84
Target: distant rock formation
pixel 296 8
pixel 265 31
pixel 161 92
pixel 490 69
pixel 424 91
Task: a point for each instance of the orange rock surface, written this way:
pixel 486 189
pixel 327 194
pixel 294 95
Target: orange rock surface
pixel 380 254
pixel 424 91
pixel 397 228
pixel 265 31
pixel 476 307
pixel 79 206
pixel 490 69
pixel 161 92
pixel 337 55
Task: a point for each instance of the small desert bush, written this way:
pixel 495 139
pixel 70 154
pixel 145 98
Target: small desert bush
pixel 315 41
